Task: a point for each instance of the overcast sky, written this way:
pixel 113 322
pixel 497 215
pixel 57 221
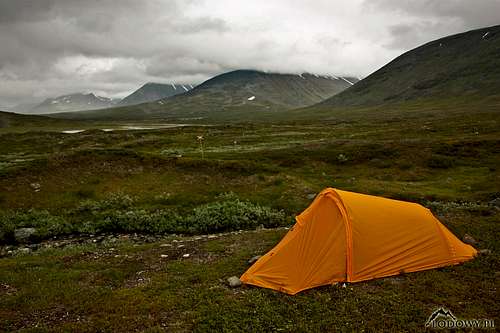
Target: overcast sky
pixel 110 47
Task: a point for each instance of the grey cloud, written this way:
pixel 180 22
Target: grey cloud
pixel 477 13
pixel 53 47
pixel 23 10
pixel 408 36
pixel 167 67
pixel 201 24
pixel 430 19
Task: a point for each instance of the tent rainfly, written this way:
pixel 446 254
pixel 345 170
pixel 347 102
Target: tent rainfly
pixel 350 237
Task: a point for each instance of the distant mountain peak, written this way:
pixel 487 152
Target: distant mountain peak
pixel 243 90
pixel 70 102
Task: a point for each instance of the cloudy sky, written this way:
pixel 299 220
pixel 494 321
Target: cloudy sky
pixel 111 47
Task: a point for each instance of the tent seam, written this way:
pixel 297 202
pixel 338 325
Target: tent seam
pixel 348 227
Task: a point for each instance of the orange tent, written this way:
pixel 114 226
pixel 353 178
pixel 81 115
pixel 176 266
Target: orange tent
pixel 352 237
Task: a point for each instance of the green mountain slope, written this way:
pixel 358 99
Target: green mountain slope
pixel 246 91
pixel 9 120
pixel 466 64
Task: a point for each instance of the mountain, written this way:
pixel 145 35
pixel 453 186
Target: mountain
pixel 461 66
pixel 73 102
pixel 154 91
pixel 246 91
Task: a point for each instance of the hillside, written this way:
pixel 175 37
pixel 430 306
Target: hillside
pixel 466 64
pixel 246 91
pixel 154 91
pixel 68 103
pixel 20 121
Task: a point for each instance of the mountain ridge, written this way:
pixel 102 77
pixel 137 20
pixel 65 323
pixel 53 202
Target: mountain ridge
pixel 239 90
pixel 432 70
pixel 68 102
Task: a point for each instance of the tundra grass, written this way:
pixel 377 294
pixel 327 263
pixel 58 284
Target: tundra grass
pixel 448 162
pixel 126 286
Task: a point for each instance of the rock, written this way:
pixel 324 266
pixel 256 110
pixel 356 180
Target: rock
pixel 311 196
pixel 186 255
pixel 485 252
pixel 23 250
pixel 253 259
pixel 23 235
pixel 495 202
pixel 467 239
pixel 234 282
pixel 36 187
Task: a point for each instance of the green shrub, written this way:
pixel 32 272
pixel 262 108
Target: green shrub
pixel 141 221
pixel 46 225
pixel 115 214
pixel 112 201
pixel 232 214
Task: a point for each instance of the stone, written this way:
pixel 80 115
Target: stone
pixel 485 252
pixel 467 239
pixel 23 250
pixel 36 187
pixel 234 282
pixel 24 234
pixel 253 259
pixel 311 196
pixel 186 255
pixel 495 202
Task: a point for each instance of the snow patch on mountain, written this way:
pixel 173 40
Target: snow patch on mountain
pixel 346 80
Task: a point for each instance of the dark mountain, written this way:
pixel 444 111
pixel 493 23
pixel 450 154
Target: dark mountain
pixel 466 64
pixel 237 91
pixel 154 91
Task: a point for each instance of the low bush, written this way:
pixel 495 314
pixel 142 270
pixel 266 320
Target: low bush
pixel 116 214
pixel 231 214
pixel 112 201
pixel 46 225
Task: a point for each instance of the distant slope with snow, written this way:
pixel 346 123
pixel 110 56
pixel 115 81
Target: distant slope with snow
pixel 462 65
pixel 154 91
pixel 73 102
pixel 237 91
